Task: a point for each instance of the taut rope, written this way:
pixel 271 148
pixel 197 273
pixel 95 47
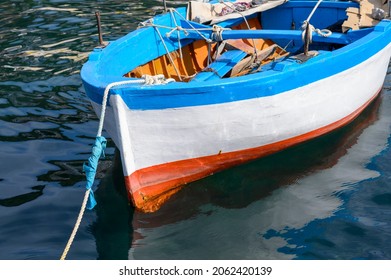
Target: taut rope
pixel 308 29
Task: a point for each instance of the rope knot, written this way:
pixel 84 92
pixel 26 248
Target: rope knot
pixel 177 28
pixel 156 80
pixel 311 29
pixel 146 23
pixel 320 32
pixel 217 33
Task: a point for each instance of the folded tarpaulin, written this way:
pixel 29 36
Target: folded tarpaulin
pixel 215 13
pixel 363 16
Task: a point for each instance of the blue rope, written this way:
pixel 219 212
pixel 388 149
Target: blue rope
pixel 91 166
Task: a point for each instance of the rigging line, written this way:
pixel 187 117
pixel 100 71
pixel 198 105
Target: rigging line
pixel 168 53
pixel 245 20
pixel 178 33
pixel 179 28
pixel 193 28
pixel 313 10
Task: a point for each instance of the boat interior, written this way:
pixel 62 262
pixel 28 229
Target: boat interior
pixel 249 44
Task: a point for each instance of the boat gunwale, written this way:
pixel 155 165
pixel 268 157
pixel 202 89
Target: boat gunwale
pixel 147 97
pixel 339 60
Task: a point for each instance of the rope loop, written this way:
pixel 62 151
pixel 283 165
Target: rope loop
pixel 323 32
pixel 320 32
pixel 306 23
pixel 217 33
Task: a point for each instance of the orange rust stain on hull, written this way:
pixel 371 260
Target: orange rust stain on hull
pixel 149 188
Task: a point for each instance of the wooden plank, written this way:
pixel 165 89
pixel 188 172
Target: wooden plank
pixel 221 66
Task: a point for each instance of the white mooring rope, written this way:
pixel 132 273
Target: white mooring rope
pixel 146 79
pixel 77 224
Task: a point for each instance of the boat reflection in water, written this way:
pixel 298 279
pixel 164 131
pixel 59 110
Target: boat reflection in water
pixel 231 214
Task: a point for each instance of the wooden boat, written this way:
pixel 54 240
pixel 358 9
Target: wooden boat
pixel 205 87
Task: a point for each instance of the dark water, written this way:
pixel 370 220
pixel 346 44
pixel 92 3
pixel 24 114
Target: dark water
pixel 327 199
